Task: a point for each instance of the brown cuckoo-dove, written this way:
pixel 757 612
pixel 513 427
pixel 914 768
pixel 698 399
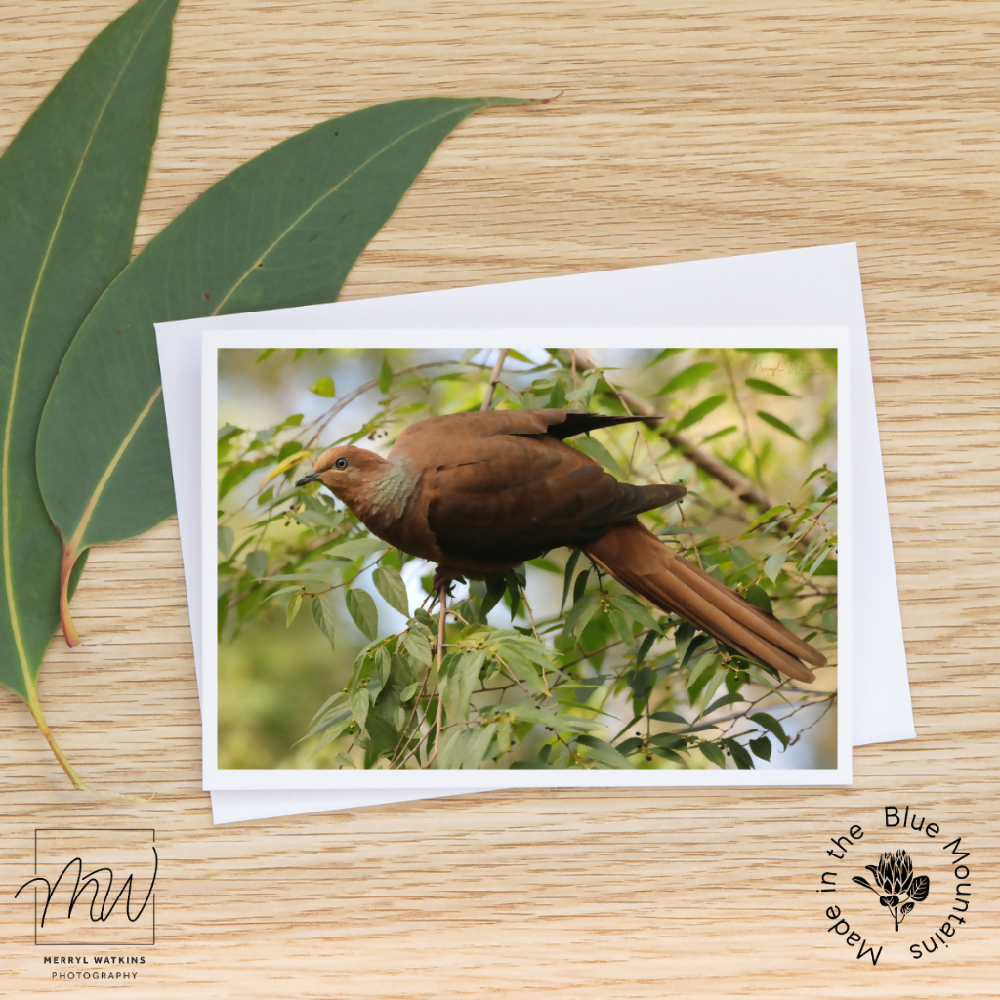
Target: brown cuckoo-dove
pixel 486 491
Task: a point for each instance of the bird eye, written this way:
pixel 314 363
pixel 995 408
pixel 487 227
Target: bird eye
pixel 341 463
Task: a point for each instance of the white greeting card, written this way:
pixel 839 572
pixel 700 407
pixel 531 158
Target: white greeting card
pixel 578 688
pixel 815 286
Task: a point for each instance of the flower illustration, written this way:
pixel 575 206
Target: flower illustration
pixel 894 879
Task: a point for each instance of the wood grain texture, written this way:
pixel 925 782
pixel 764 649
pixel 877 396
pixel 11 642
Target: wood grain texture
pixel 687 131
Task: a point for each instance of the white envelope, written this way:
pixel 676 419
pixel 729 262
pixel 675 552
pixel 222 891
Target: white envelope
pixel 818 286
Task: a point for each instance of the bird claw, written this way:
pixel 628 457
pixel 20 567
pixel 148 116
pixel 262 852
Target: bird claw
pixel 445 576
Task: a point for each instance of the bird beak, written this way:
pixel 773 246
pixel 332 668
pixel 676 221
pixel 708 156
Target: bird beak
pixel 311 478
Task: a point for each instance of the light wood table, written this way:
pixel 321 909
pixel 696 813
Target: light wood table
pixel 683 132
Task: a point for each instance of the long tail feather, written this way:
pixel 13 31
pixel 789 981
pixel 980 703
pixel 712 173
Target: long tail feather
pixel 637 559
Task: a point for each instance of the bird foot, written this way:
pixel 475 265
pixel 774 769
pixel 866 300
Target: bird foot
pixel 445 576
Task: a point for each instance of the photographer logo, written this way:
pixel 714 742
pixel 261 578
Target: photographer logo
pixel 93 887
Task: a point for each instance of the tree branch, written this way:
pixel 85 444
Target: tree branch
pixel 745 489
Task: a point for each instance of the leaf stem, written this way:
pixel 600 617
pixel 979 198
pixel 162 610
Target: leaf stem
pixel 34 706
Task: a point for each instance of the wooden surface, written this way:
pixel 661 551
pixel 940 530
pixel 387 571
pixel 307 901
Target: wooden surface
pixel 683 132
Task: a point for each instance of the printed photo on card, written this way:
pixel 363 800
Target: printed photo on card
pixel 615 562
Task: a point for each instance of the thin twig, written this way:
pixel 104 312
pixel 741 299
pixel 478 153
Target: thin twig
pixel 743 416
pixel 442 598
pixel 494 378
pixel 745 489
pixel 694 544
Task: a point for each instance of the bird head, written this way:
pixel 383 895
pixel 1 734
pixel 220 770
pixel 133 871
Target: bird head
pixel 345 470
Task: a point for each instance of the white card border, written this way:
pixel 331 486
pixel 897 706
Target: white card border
pixel 468 336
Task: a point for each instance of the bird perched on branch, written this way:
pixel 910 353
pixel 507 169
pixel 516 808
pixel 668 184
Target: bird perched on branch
pixel 482 492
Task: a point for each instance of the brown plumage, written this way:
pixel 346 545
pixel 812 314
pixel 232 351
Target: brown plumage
pixel 482 492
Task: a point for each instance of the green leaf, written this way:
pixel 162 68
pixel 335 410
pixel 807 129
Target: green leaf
pixel 758 597
pixel 645 646
pixel 282 230
pixel 690 376
pixel 226 537
pixel 323 387
pixel 385 377
pixel 293 609
pixel 725 432
pixel 464 748
pixel 71 182
pixel 330 734
pixel 324 614
pixel 503 736
pixel 728 699
pixel 772 567
pixel 636 610
pixel 759 385
pixel 766 516
pixel 416 643
pixel 557 400
pixel 696 413
pixel 742 759
pixel 361 701
pixel 390 585
pixel 515 656
pixel 761 747
pixel 604 752
pixel 770 418
pixel 524 711
pixel 682 639
pixel 581 613
pixel 319 718
pixel 621 625
pixel 593 448
pixel 357 547
pixel 363 611
pixel 768 722
pixel 668 352
pixel 669 717
pixel 456 688
pixel 740 557
pixel 574 558
pixel 713 754
pixel 669 741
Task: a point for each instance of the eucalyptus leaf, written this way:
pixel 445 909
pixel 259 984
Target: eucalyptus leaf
pixel 71 182
pixel 282 230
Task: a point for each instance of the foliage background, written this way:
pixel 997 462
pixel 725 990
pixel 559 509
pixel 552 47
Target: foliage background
pixel 769 415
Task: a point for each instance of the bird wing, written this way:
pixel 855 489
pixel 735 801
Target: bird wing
pixel 489 423
pixel 498 499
